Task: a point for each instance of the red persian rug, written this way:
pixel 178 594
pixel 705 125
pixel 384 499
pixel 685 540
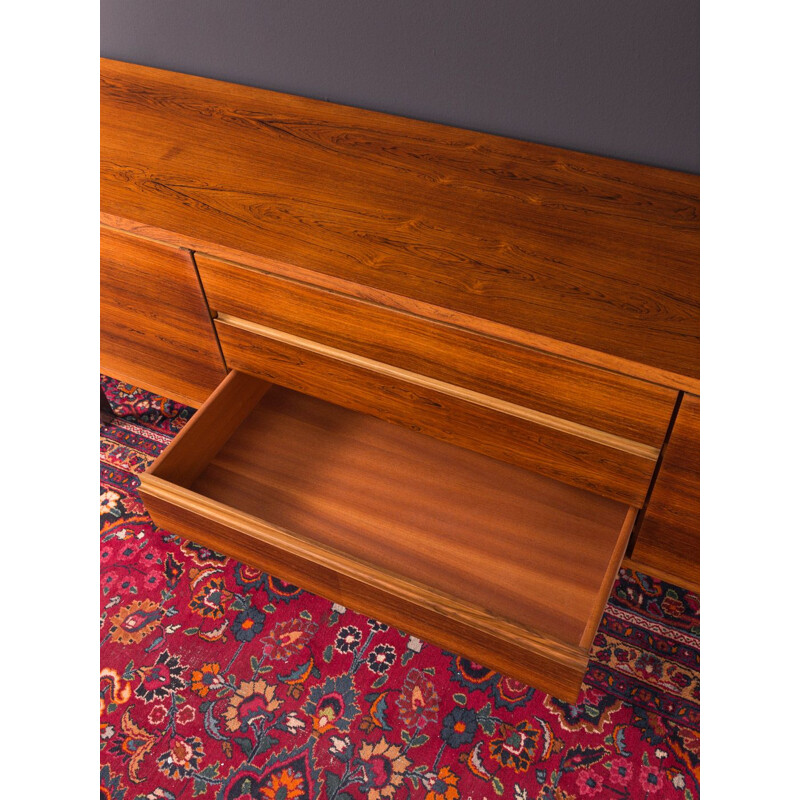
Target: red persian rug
pixel 220 681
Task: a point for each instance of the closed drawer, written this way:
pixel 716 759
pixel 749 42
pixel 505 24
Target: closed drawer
pixel 588 427
pixel 503 565
pixel 155 329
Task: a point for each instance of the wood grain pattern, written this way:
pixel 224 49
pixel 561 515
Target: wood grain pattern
pixel 592 252
pixel 597 467
pixel 451 390
pixel 371 514
pixel 205 433
pixel 155 329
pixel 498 330
pixel 556 386
pixel 668 540
pixel 612 570
pixel 407 504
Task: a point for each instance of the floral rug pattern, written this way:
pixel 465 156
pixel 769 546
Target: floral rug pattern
pixel 220 681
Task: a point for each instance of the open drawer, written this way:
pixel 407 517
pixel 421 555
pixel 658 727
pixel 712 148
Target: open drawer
pixel 484 558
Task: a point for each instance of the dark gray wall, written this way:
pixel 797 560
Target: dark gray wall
pixel 613 77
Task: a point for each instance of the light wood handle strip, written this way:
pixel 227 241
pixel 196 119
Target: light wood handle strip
pixel 477 398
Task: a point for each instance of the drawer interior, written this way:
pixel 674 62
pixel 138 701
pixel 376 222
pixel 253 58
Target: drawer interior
pixel 492 542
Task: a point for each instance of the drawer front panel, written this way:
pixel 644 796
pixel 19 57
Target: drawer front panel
pixel 155 329
pixel 559 387
pixel 548 669
pixel 669 537
pixel 582 457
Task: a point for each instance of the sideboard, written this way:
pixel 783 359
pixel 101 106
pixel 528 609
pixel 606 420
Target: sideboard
pixel 445 378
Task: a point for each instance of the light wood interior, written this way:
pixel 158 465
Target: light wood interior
pixel 504 540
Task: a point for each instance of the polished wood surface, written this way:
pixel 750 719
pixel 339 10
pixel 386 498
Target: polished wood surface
pixel 668 540
pixel 596 256
pixel 451 390
pixel 205 433
pixel 559 387
pixel 332 496
pixel 612 570
pixel 155 329
pixel 617 470
pixel 455 521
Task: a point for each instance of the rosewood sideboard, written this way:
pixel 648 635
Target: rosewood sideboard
pixel 445 378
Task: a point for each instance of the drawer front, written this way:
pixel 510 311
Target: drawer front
pixel 668 541
pixel 558 387
pixel 552 669
pixel 577 455
pixel 155 329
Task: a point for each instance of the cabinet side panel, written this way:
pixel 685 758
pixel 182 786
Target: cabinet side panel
pixel 669 536
pixel 155 329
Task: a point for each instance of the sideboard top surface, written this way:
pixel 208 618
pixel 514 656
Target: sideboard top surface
pixel 595 252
